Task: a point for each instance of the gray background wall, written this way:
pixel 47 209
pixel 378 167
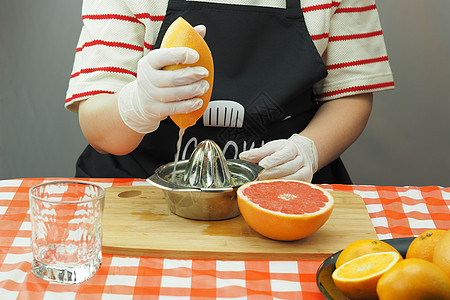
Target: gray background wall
pixel 407 140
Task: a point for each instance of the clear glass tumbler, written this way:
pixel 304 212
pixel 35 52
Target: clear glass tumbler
pixel 66 236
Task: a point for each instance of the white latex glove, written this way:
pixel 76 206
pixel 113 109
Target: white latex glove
pixel 157 93
pixel 293 158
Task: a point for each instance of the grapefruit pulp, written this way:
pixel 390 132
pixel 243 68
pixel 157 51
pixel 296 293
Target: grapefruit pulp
pixel 181 34
pixel 284 210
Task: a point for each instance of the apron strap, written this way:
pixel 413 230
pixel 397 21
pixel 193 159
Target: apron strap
pixel 293 9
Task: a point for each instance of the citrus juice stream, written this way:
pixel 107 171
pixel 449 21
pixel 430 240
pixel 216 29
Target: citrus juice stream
pixel 177 155
pixel 181 34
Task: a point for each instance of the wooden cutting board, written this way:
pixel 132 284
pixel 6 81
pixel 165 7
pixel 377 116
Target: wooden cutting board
pixel 137 222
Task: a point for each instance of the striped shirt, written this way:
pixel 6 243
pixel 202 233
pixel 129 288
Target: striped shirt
pixel 117 33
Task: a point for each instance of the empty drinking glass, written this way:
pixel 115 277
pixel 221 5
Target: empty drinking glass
pixel 66 236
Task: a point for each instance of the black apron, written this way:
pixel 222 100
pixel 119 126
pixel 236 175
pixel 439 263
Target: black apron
pixel 265 65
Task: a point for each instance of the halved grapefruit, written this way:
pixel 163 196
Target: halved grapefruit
pixel 181 34
pixel 284 210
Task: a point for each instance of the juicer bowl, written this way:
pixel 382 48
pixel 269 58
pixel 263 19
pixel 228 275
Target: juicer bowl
pixel 200 203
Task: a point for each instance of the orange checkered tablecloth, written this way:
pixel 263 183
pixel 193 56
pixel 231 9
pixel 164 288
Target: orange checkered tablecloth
pixel 394 211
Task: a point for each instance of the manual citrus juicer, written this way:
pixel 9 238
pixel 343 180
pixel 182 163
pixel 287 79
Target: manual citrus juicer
pixel 204 187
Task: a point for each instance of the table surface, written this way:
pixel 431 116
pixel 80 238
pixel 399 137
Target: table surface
pixel 395 212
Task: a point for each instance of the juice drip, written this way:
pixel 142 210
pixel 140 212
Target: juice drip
pixel 177 154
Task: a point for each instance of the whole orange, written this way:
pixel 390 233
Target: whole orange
pixel 423 245
pixel 362 247
pixel 284 210
pixel 441 255
pixel 414 279
pixel 181 34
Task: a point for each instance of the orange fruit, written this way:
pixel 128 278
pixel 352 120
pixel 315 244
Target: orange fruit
pixel 441 255
pixel 362 247
pixel 181 34
pixel 423 245
pixel 284 210
pixel 414 278
pixel 358 278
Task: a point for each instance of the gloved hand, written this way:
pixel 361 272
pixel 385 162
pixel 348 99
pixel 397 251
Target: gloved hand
pixel 157 93
pixel 293 158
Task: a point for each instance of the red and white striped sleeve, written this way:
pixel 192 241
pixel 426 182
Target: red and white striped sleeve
pixel 348 35
pixel 115 35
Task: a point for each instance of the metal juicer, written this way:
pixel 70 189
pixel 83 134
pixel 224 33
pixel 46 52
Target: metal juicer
pixel 204 187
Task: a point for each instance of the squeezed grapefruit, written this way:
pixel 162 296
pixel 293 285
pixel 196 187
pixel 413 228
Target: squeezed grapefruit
pixel 181 34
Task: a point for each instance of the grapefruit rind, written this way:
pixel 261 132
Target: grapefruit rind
pixel 282 226
pixel 181 34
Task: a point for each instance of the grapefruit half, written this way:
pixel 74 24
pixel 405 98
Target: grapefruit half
pixel 284 210
pixel 181 34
